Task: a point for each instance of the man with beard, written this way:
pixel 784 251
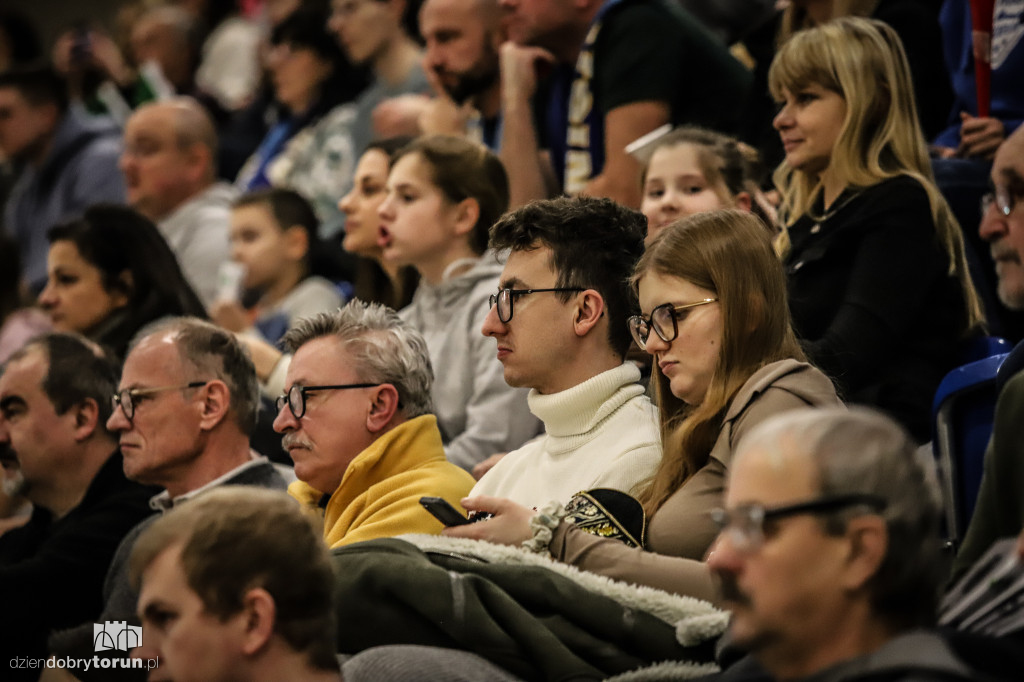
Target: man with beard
pixel 357 424
pixel 462 40
pixel 54 401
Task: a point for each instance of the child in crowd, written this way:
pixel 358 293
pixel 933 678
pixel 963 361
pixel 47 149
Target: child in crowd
pixel 444 193
pixel 274 238
pixel 692 170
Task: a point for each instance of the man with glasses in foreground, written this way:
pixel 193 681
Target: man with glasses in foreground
pixel 357 422
pixel 185 410
pixel 559 320
pixel 829 553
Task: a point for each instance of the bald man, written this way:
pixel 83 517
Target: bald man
pixel 170 177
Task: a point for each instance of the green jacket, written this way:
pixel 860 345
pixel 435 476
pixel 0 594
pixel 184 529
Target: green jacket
pixel 538 619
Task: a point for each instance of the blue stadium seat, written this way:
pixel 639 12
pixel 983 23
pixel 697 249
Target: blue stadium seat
pixel 962 414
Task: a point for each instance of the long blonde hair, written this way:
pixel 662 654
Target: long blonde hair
pixel 729 253
pixel 863 61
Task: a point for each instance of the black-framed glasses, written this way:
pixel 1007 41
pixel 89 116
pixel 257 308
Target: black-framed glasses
pixel 504 299
pixel 745 525
pixel 1002 197
pixel 295 398
pixel 664 320
pixel 129 398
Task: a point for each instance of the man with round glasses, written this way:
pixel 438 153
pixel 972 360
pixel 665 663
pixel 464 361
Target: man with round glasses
pixel 184 412
pixel 559 323
pixel 357 422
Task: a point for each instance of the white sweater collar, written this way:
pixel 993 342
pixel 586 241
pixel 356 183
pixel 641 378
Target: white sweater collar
pixel 583 407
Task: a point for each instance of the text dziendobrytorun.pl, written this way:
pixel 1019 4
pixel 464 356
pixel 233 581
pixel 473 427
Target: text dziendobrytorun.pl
pixel 85 664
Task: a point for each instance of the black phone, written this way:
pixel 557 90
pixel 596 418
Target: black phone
pixel 443 511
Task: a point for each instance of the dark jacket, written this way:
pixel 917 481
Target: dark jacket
pixel 525 613
pixel 57 580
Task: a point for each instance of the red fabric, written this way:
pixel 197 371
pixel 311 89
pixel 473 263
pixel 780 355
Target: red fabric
pixel 982 13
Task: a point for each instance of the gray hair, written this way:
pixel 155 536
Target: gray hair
pixel 210 352
pixel 384 349
pixel 860 451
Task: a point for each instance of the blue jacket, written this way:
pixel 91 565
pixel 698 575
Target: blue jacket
pixel 80 170
pixel 1007 65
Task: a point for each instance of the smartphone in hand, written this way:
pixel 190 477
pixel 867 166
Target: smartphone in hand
pixel 447 514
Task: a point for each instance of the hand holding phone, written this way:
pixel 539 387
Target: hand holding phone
pixel 446 513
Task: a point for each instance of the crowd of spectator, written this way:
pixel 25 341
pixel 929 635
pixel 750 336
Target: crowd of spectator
pixel 503 339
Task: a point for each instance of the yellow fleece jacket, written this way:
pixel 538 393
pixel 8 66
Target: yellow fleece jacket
pixel 380 491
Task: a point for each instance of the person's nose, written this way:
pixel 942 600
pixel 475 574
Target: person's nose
pixel 347 203
pixel 783 119
pixel 655 344
pixel 118 421
pixel 47 297
pixel 994 225
pixel 285 421
pixel 493 326
pixel 386 211
pixel 724 556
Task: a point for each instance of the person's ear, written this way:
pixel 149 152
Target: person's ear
pixel 868 540
pixel 383 406
pixel 121 293
pixel 215 405
pixel 86 416
pixel 200 161
pixel 743 201
pixel 258 615
pixel 588 311
pixel 467 213
pixel 296 243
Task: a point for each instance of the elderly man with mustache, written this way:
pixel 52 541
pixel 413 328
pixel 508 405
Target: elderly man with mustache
pixel 357 422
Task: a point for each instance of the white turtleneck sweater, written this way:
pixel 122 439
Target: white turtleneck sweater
pixel 602 433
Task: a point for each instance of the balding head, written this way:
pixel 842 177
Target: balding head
pixel 169 152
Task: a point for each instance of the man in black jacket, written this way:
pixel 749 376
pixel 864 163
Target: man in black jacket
pixel 54 402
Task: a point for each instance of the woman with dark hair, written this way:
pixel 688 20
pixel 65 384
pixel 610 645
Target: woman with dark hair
pixel 109 273
pixel 310 76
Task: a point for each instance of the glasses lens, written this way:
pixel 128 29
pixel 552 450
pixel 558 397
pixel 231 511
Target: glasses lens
pixel 280 401
pixel 1004 202
pixel 639 329
pixel 127 406
pixel 296 401
pixel 505 305
pixel 663 320
pixel 741 527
